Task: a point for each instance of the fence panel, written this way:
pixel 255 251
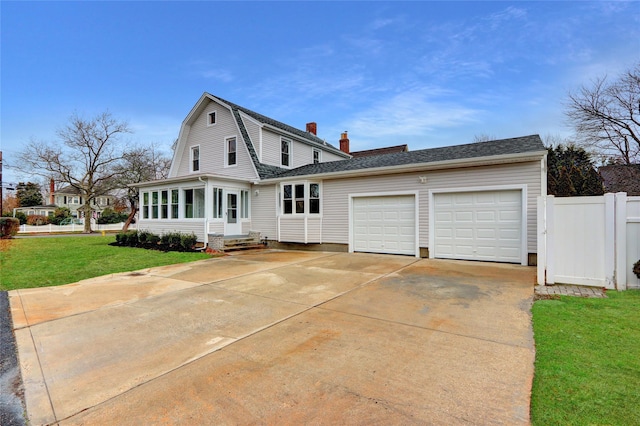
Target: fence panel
pixel 589 240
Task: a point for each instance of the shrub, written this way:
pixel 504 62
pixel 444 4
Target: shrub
pixel 60 214
pixel 636 268
pixel 110 216
pixel 21 217
pixel 129 238
pixel 37 220
pixel 188 241
pixel 171 239
pixel 9 227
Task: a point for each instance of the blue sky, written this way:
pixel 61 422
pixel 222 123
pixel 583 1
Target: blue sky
pixel 423 73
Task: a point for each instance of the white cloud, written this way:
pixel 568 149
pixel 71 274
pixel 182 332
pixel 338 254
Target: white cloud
pixel 410 113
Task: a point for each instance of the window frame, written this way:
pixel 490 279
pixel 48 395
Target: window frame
pixel 315 151
pixel 244 204
pixel 193 162
pixel 145 205
pixel 286 142
pixel 174 209
pixel 299 204
pixel 212 114
pixel 227 152
pixel 218 212
pixel 193 204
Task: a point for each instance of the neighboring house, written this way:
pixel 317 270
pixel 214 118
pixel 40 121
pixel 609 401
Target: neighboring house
pixel 47 210
pixel 70 197
pixel 621 178
pixel 236 171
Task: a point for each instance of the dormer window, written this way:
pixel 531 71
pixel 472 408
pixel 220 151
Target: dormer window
pixel 195 158
pixel 211 118
pixel 316 156
pixel 285 153
pixel 231 148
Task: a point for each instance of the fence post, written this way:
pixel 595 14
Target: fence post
pixel 551 239
pixel 609 241
pixel 621 241
pixel 542 241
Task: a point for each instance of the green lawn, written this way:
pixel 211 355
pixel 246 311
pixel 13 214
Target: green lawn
pixel 587 369
pixel 41 262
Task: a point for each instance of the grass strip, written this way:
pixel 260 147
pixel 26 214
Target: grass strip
pixel 42 262
pixel 587 368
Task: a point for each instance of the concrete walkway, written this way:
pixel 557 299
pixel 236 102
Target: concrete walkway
pixel 282 337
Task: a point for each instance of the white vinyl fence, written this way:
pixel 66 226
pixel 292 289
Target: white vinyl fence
pixel 590 241
pixel 32 229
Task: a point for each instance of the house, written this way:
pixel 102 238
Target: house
pixel 235 171
pixel 621 178
pixel 70 197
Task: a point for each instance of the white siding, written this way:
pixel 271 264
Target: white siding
pixel 186 226
pixel 292 229
pixel 263 211
pixel 301 152
pixel 212 145
pixel 270 148
pixel 314 229
pixel 336 191
pixel 253 129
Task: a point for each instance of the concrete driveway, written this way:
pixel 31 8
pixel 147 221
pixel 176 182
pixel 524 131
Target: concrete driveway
pixel 273 337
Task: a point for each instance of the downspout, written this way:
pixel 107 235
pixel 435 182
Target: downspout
pixel 206 216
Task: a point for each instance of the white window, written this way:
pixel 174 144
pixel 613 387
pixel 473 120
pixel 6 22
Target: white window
pixel 174 203
pixel 244 204
pixel 164 204
pixel 316 156
pixel 154 205
pixel 301 198
pixel 285 153
pixel 217 203
pixel 211 118
pixel 194 203
pixel 231 148
pixel 145 205
pixel 195 158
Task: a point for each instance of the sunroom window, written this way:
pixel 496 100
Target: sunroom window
pixel 194 203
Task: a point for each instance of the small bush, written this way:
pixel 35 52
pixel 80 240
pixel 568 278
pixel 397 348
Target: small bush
pixel 37 220
pixel 60 214
pixel 636 268
pixel 110 216
pixel 9 227
pixel 21 217
pixel 171 239
pixel 188 241
pixel 129 238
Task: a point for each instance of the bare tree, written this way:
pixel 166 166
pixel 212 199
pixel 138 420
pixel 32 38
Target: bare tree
pixel 606 116
pixel 140 165
pixel 483 137
pixel 84 157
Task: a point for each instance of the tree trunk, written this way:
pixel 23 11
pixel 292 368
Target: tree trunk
pixel 87 218
pixel 134 210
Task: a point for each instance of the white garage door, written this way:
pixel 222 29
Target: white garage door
pixel 384 224
pixel 483 225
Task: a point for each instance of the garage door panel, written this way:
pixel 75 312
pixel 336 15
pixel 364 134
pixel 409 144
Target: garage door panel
pixel 482 225
pixel 385 224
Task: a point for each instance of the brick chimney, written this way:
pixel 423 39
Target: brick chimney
pixel 344 142
pixel 312 128
pixel 52 189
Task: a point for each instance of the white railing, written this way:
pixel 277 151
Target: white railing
pixel 75 227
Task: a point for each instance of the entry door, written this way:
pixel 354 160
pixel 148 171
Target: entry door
pixel 232 221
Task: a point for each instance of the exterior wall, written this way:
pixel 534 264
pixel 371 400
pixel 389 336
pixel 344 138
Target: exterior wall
pixel 185 226
pixel 301 153
pixel 263 211
pixel 335 209
pixel 255 133
pixel 212 146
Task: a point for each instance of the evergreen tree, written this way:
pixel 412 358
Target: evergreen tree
pixel 29 194
pixel 570 173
